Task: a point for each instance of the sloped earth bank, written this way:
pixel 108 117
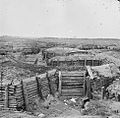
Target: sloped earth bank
pixel 53 107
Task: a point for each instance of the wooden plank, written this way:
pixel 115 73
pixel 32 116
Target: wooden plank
pixel 31 85
pixel 73 81
pixel 18 91
pixel 73 78
pixel 71 87
pixel 72 90
pixel 71 84
pixel 72 94
pixel 73 74
pixel 31 88
pixel 32 92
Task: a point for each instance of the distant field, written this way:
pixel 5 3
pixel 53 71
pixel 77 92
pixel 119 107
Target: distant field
pixel 102 41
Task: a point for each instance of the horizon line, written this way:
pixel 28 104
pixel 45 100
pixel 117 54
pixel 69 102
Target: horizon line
pixel 57 37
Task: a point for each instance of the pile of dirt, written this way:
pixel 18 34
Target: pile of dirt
pixel 97 108
pixel 51 106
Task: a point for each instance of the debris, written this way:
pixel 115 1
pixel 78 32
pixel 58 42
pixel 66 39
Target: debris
pixel 73 100
pixel 41 115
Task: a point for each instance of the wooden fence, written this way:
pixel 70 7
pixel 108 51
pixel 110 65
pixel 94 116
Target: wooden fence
pixel 82 63
pixel 72 83
pixel 20 94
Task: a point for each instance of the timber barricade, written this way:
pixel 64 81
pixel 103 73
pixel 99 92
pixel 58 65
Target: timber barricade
pixel 18 95
pixel 72 83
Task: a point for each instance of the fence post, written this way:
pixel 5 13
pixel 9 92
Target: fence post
pixel 60 82
pixel 6 97
pixel 25 95
pixel 88 88
pixel 39 88
pixel 84 86
pixel 102 92
pixel 49 83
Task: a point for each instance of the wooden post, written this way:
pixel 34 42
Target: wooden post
pixel 102 93
pixel 6 97
pixel 39 88
pixel 88 88
pixel 25 95
pixel 84 86
pixel 49 84
pixel 60 81
pixel 92 62
pixel 85 63
pixel 24 105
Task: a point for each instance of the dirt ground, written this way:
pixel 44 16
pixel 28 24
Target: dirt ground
pixel 54 108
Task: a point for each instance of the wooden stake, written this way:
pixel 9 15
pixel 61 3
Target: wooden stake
pixel 6 97
pixel 39 88
pixel 49 84
pixel 25 95
pixel 60 75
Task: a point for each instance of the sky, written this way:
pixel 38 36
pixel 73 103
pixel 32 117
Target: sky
pixel 60 18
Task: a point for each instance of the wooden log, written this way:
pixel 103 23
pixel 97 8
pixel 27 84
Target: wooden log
pixel 49 84
pixel 71 87
pixel 31 82
pixel 72 94
pixel 31 85
pixel 72 90
pixel 44 85
pixel 77 78
pixel 73 81
pixel 71 84
pixel 39 87
pixel 46 89
pixel 24 93
pixel 11 97
pixel 73 74
pixel 18 91
pixel 84 86
pixel 31 88
pixel 6 97
pixel 44 82
pixel 19 99
pixel 88 93
pixel 32 92
pixel 60 83
pixel 19 94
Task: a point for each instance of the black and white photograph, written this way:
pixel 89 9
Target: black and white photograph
pixel 59 58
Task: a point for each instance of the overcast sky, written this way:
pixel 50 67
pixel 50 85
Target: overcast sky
pixel 60 18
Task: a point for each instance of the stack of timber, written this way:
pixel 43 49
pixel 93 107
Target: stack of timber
pixel 2 97
pixel 30 90
pixel 11 97
pixel 72 83
pixel 43 84
pixel 19 95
